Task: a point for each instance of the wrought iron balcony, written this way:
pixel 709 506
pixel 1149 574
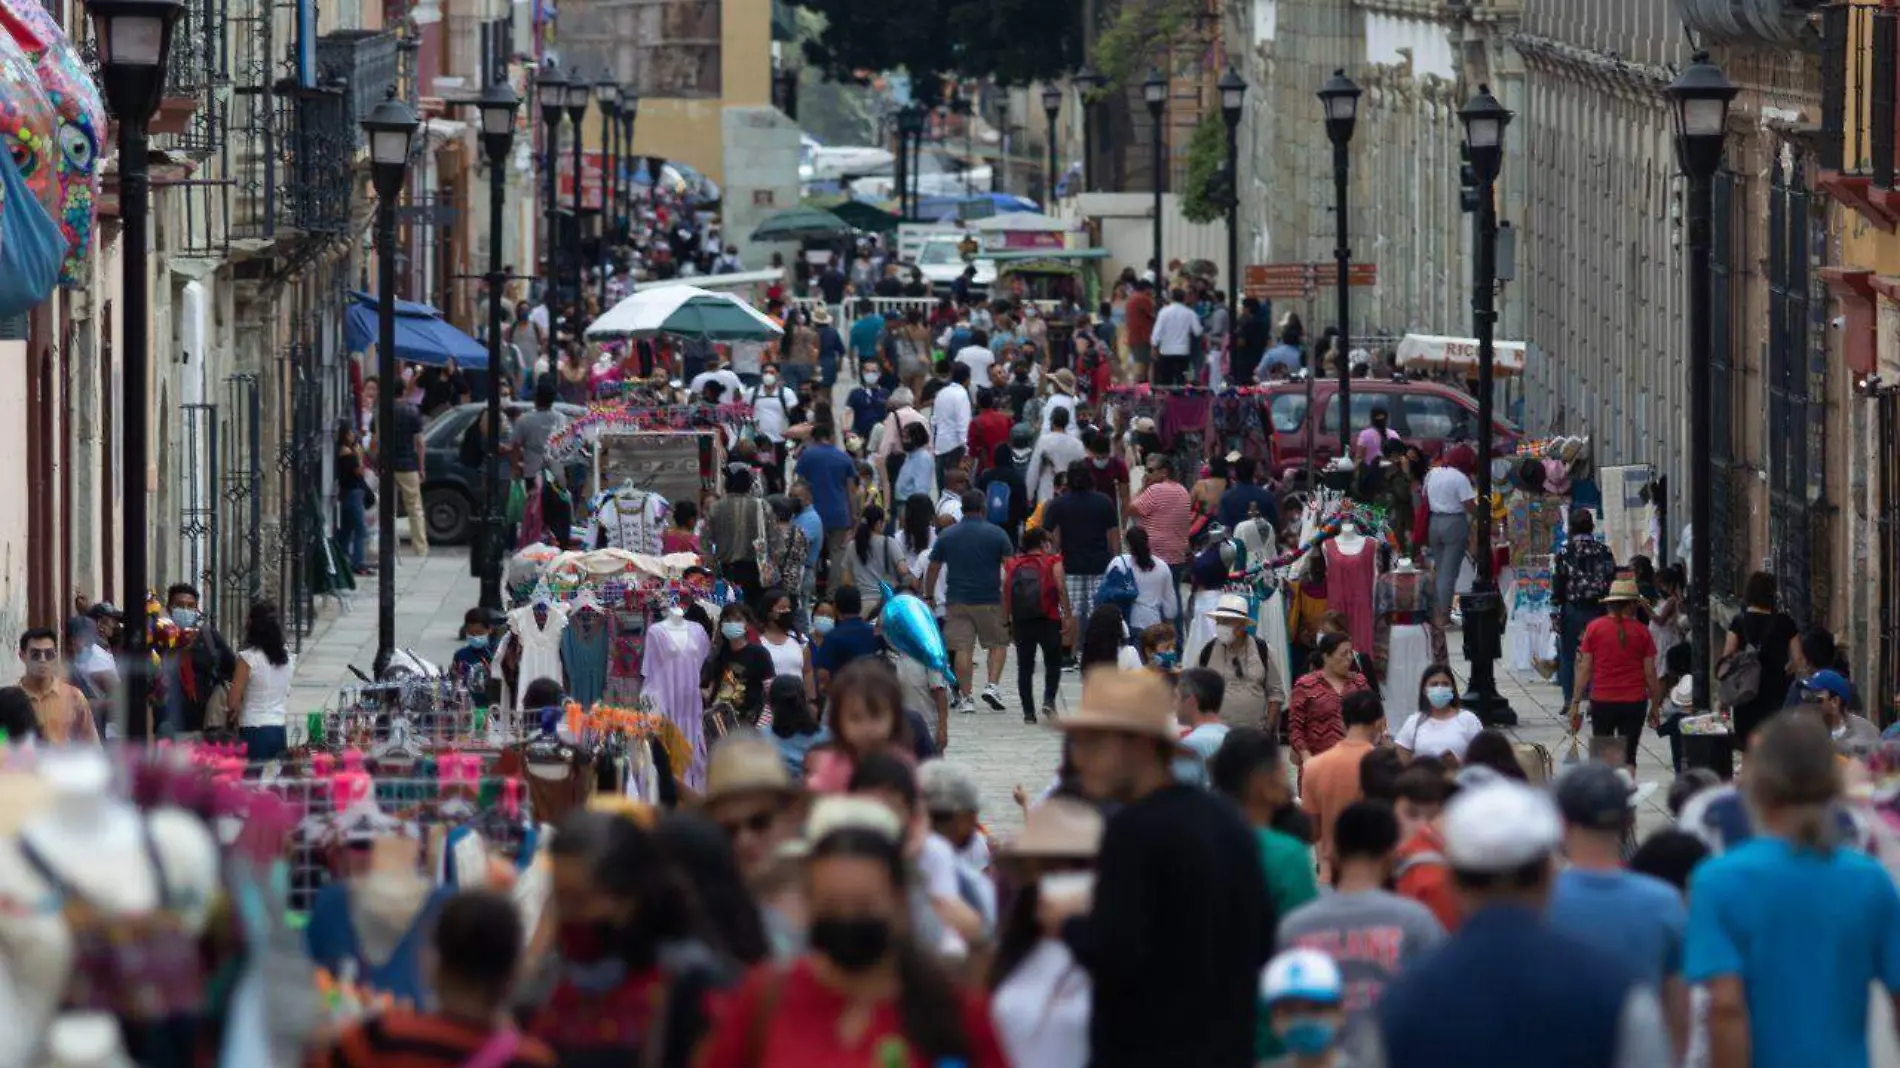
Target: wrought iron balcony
pixel 1781 22
pixel 1858 71
pixel 363 64
pixel 322 135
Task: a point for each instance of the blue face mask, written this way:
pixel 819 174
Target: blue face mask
pixel 31 248
pixel 1307 1036
pixel 823 625
pixel 477 642
pixel 185 617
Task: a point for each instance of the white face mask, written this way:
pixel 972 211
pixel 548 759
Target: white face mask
pixel 1232 633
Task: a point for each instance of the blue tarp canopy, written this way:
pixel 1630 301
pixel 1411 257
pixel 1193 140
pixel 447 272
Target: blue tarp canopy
pixel 969 208
pixel 422 335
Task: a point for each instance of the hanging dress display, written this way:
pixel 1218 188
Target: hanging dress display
pixel 1349 579
pixel 627 641
pixel 1404 645
pixel 584 648
pixel 631 519
pixel 540 644
pixel 675 653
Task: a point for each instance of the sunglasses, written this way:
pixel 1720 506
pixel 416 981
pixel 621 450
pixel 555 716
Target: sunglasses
pixel 757 823
pixel 42 655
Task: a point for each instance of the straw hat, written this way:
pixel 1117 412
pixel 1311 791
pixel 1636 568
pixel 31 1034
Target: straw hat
pixel 1231 606
pixel 746 764
pixel 1125 702
pixel 1060 827
pixel 821 316
pixel 1622 589
pixel 1064 380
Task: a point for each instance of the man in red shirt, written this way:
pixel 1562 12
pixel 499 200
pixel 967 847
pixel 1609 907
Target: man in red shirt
pixel 989 429
pixel 1422 874
pixel 1139 315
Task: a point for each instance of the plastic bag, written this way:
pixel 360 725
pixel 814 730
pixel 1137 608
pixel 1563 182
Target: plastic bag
pixel 517 502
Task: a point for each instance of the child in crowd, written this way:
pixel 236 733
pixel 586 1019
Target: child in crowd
pixel 683 535
pixel 865 714
pixel 475 655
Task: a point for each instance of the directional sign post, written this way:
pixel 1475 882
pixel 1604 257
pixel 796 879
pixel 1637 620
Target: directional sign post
pixel 1300 281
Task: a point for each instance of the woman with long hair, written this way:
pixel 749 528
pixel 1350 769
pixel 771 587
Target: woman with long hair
pixel 916 536
pixel 876 558
pixel 628 944
pixel 794 728
pixel 1616 667
pixel 704 858
pixel 1105 640
pixel 1439 727
pixel 864 715
pixel 352 494
pixel 865 992
pixel 1772 633
pixel 1042 994
pixel 739 668
pixel 790 650
pixel 1157 598
pixel 261 685
pixel 1314 720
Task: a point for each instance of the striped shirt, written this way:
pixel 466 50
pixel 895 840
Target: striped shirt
pixel 1314 723
pixel 412 1040
pixel 1166 512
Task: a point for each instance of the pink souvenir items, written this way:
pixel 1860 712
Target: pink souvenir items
pixel 27 122
pixel 81 123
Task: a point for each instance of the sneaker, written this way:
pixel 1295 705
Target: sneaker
pixel 993 697
pixel 1049 713
pixel 1029 717
pixel 963 704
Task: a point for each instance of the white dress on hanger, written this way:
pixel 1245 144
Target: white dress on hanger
pixel 540 646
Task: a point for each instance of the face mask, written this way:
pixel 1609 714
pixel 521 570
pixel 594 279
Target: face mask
pixel 1231 633
pixel 853 944
pixel 477 642
pixel 733 631
pixel 823 624
pixel 770 380
pixel 1307 1037
pixel 784 619
pixel 185 617
pixel 1439 696
pixel 1165 661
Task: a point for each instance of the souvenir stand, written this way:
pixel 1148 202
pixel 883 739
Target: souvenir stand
pixel 641 457
pixel 1191 423
pixel 1535 512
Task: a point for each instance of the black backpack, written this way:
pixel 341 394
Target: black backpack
pixel 1029 591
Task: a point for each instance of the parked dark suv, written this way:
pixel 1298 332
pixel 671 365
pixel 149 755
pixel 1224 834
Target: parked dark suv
pixel 452 492
pixel 1431 414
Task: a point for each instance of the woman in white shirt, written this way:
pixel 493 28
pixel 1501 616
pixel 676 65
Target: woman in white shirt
pixel 261 686
pixel 1439 728
pixel 1157 598
pixel 791 653
pixel 1042 999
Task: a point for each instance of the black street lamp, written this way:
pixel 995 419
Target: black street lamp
pixel 134 40
pixel 1155 92
pixel 1233 94
pixel 1340 97
pixel 498 105
pixel 910 128
pixel 578 94
pixel 999 178
pixel 1051 107
pixel 391 128
pixel 629 111
pixel 1701 96
pixel 1485 120
pixel 552 88
pixel 1088 81
pixel 608 91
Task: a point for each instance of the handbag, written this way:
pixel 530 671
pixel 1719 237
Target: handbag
pixel 719 721
pixel 762 548
pixel 1738 676
pixel 1118 586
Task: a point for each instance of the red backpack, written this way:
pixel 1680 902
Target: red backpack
pixel 1033 591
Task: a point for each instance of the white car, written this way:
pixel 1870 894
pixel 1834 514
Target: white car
pixel 941 263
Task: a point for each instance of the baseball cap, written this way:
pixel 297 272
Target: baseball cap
pixel 105 610
pixel 1500 827
pixel 1594 796
pixel 1306 974
pixel 1829 682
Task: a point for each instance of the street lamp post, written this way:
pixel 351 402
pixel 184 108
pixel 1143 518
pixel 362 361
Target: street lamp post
pixel 999 178
pixel 608 91
pixel 1088 81
pixel 1485 120
pixel 391 128
pixel 629 111
pixel 1154 91
pixel 1340 97
pixel 910 122
pixel 1051 107
pixel 134 40
pixel 552 88
pixel 578 94
pixel 498 104
pixel 1233 93
pixel 1701 96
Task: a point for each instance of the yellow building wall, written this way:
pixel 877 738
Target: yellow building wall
pixel 690 130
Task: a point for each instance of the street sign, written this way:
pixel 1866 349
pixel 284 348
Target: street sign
pixel 1302 281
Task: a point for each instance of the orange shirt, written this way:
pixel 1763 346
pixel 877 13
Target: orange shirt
pixel 1139 315
pixel 63 712
pixel 1426 878
pixel 1328 783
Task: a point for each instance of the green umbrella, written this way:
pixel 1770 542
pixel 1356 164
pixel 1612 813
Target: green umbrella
pixel 867 217
pixel 798 224
pixel 684 311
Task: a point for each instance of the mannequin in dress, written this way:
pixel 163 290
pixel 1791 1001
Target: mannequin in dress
pixel 1351 567
pixel 1406 640
pixel 676 650
pixel 98 847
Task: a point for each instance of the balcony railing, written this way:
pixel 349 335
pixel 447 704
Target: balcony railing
pixel 1858 90
pixel 322 136
pixel 363 64
pixel 1775 21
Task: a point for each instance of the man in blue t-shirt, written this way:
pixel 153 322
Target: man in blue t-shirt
pixel 852 638
pixel 867 400
pixel 833 478
pixel 1596 900
pixel 1245 497
pixel 1787 930
pixel 971 553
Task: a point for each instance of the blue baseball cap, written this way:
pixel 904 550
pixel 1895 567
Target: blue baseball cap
pixel 1829 682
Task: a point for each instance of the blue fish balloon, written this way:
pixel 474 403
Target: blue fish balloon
pixel 910 629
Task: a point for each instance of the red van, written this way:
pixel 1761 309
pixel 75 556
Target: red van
pixel 1433 415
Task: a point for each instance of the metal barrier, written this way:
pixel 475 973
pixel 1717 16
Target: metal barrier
pixel 846 311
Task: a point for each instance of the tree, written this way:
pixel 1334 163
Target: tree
pixel 1209 189
pixel 1009 41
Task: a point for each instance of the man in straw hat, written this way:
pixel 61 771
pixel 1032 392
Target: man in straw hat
pixel 1061 396
pixel 1255 692
pixel 751 796
pixel 1180 922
